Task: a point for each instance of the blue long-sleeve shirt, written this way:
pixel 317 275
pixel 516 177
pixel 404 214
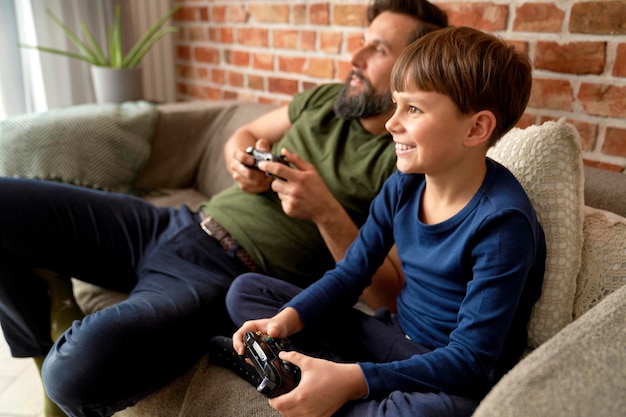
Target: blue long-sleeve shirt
pixel 471 283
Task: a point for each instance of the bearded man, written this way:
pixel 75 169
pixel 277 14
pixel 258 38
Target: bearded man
pixel 177 264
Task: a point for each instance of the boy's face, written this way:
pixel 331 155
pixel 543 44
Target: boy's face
pixel 383 42
pixel 429 132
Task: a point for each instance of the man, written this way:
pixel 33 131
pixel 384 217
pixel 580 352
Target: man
pixel 171 261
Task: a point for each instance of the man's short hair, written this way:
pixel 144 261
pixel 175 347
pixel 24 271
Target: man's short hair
pixel 430 16
pixel 476 70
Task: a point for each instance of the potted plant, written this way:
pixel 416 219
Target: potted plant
pixel 116 77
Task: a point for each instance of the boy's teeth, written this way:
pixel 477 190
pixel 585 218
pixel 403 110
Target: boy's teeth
pixel 402 147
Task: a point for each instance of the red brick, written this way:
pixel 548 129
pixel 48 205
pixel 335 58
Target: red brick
pixel 525 121
pixel 218 76
pixel 319 14
pixel 269 13
pixel 320 68
pixel 204 14
pixel 238 58
pixel 598 17
pixel 299 14
pixel 551 94
pixel 619 67
pixel 484 16
pixel 183 52
pixel 603 165
pixel 184 71
pixel 213 34
pixel 282 85
pixel 285 39
pixel 203 73
pixel 307 40
pixel 343 69
pixel 235 79
pixel 331 42
pixel 187 14
pixel 572 58
pixel 349 15
pixel 197 33
pixel 538 17
pixel 353 42
pixel 588 134
pixel 218 14
pixel 263 61
pixel 206 54
pixel 521 46
pixel 227 35
pixel 614 142
pixel 237 14
pixel 252 36
pixel 603 99
pixel 230 95
pixel 256 82
pixel 291 64
pixel 211 93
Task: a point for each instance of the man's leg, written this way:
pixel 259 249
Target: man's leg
pixel 117 356
pixel 71 230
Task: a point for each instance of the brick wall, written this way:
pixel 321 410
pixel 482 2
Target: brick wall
pixel 267 50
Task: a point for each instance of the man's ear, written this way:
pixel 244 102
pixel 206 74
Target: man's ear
pixel 484 124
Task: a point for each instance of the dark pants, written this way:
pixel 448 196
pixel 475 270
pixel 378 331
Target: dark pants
pixel 176 275
pixel 351 336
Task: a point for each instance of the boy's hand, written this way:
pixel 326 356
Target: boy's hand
pixel 324 387
pixel 282 325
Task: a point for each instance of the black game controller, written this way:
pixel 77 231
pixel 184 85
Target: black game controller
pixel 278 376
pixel 264 156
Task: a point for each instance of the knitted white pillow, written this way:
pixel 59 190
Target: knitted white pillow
pixel 547 162
pixel 603 268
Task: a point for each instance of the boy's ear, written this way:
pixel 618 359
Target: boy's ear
pixel 484 124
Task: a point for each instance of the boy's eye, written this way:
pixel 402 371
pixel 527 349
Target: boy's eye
pixel 413 110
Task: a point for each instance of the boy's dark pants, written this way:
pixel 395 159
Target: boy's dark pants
pixel 176 275
pixel 351 336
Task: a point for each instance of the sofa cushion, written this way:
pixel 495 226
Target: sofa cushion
pixel 579 372
pixel 547 161
pixel 603 268
pixel 96 145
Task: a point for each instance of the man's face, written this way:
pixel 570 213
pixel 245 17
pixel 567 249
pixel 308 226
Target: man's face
pixel 366 92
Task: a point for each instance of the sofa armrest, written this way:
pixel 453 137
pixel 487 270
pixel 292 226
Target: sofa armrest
pixel 182 133
pixel 581 371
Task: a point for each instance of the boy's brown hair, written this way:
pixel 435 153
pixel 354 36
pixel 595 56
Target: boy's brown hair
pixel 477 70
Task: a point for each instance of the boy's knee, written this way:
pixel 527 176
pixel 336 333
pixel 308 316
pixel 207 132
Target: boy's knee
pixel 239 292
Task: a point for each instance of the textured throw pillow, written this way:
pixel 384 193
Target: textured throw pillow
pixel 603 268
pixel 96 145
pixel 547 161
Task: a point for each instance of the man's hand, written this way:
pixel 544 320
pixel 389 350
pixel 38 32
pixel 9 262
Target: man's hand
pixel 250 180
pixel 324 387
pixel 301 190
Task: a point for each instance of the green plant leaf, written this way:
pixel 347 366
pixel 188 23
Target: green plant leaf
pixel 146 47
pixel 115 41
pixel 102 59
pixel 88 53
pixel 60 52
pixel 145 39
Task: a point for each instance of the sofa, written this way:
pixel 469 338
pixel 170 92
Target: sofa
pixel 575 363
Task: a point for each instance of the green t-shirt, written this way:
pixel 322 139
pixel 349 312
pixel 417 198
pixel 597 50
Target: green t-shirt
pixel 353 163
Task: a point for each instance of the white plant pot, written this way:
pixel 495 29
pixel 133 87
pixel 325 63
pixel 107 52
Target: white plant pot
pixel 117 85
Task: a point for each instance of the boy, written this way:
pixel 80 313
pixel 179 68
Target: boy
pixel 472 252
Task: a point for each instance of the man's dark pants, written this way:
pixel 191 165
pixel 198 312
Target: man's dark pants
pixel 176 275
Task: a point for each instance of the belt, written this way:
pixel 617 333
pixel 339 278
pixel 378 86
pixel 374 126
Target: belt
pixel 217 232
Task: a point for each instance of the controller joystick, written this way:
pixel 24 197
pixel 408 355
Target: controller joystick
pixel 277 376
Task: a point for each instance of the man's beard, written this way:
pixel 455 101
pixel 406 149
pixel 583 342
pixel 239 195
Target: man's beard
pixel 364 104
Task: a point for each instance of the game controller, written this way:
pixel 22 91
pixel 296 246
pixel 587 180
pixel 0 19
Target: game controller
pixel 277 376
pixel 264 156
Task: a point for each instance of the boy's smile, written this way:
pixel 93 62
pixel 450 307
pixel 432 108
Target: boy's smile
pixel 428 131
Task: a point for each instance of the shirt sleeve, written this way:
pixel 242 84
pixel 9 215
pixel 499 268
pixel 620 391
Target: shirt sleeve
pixel 465 365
